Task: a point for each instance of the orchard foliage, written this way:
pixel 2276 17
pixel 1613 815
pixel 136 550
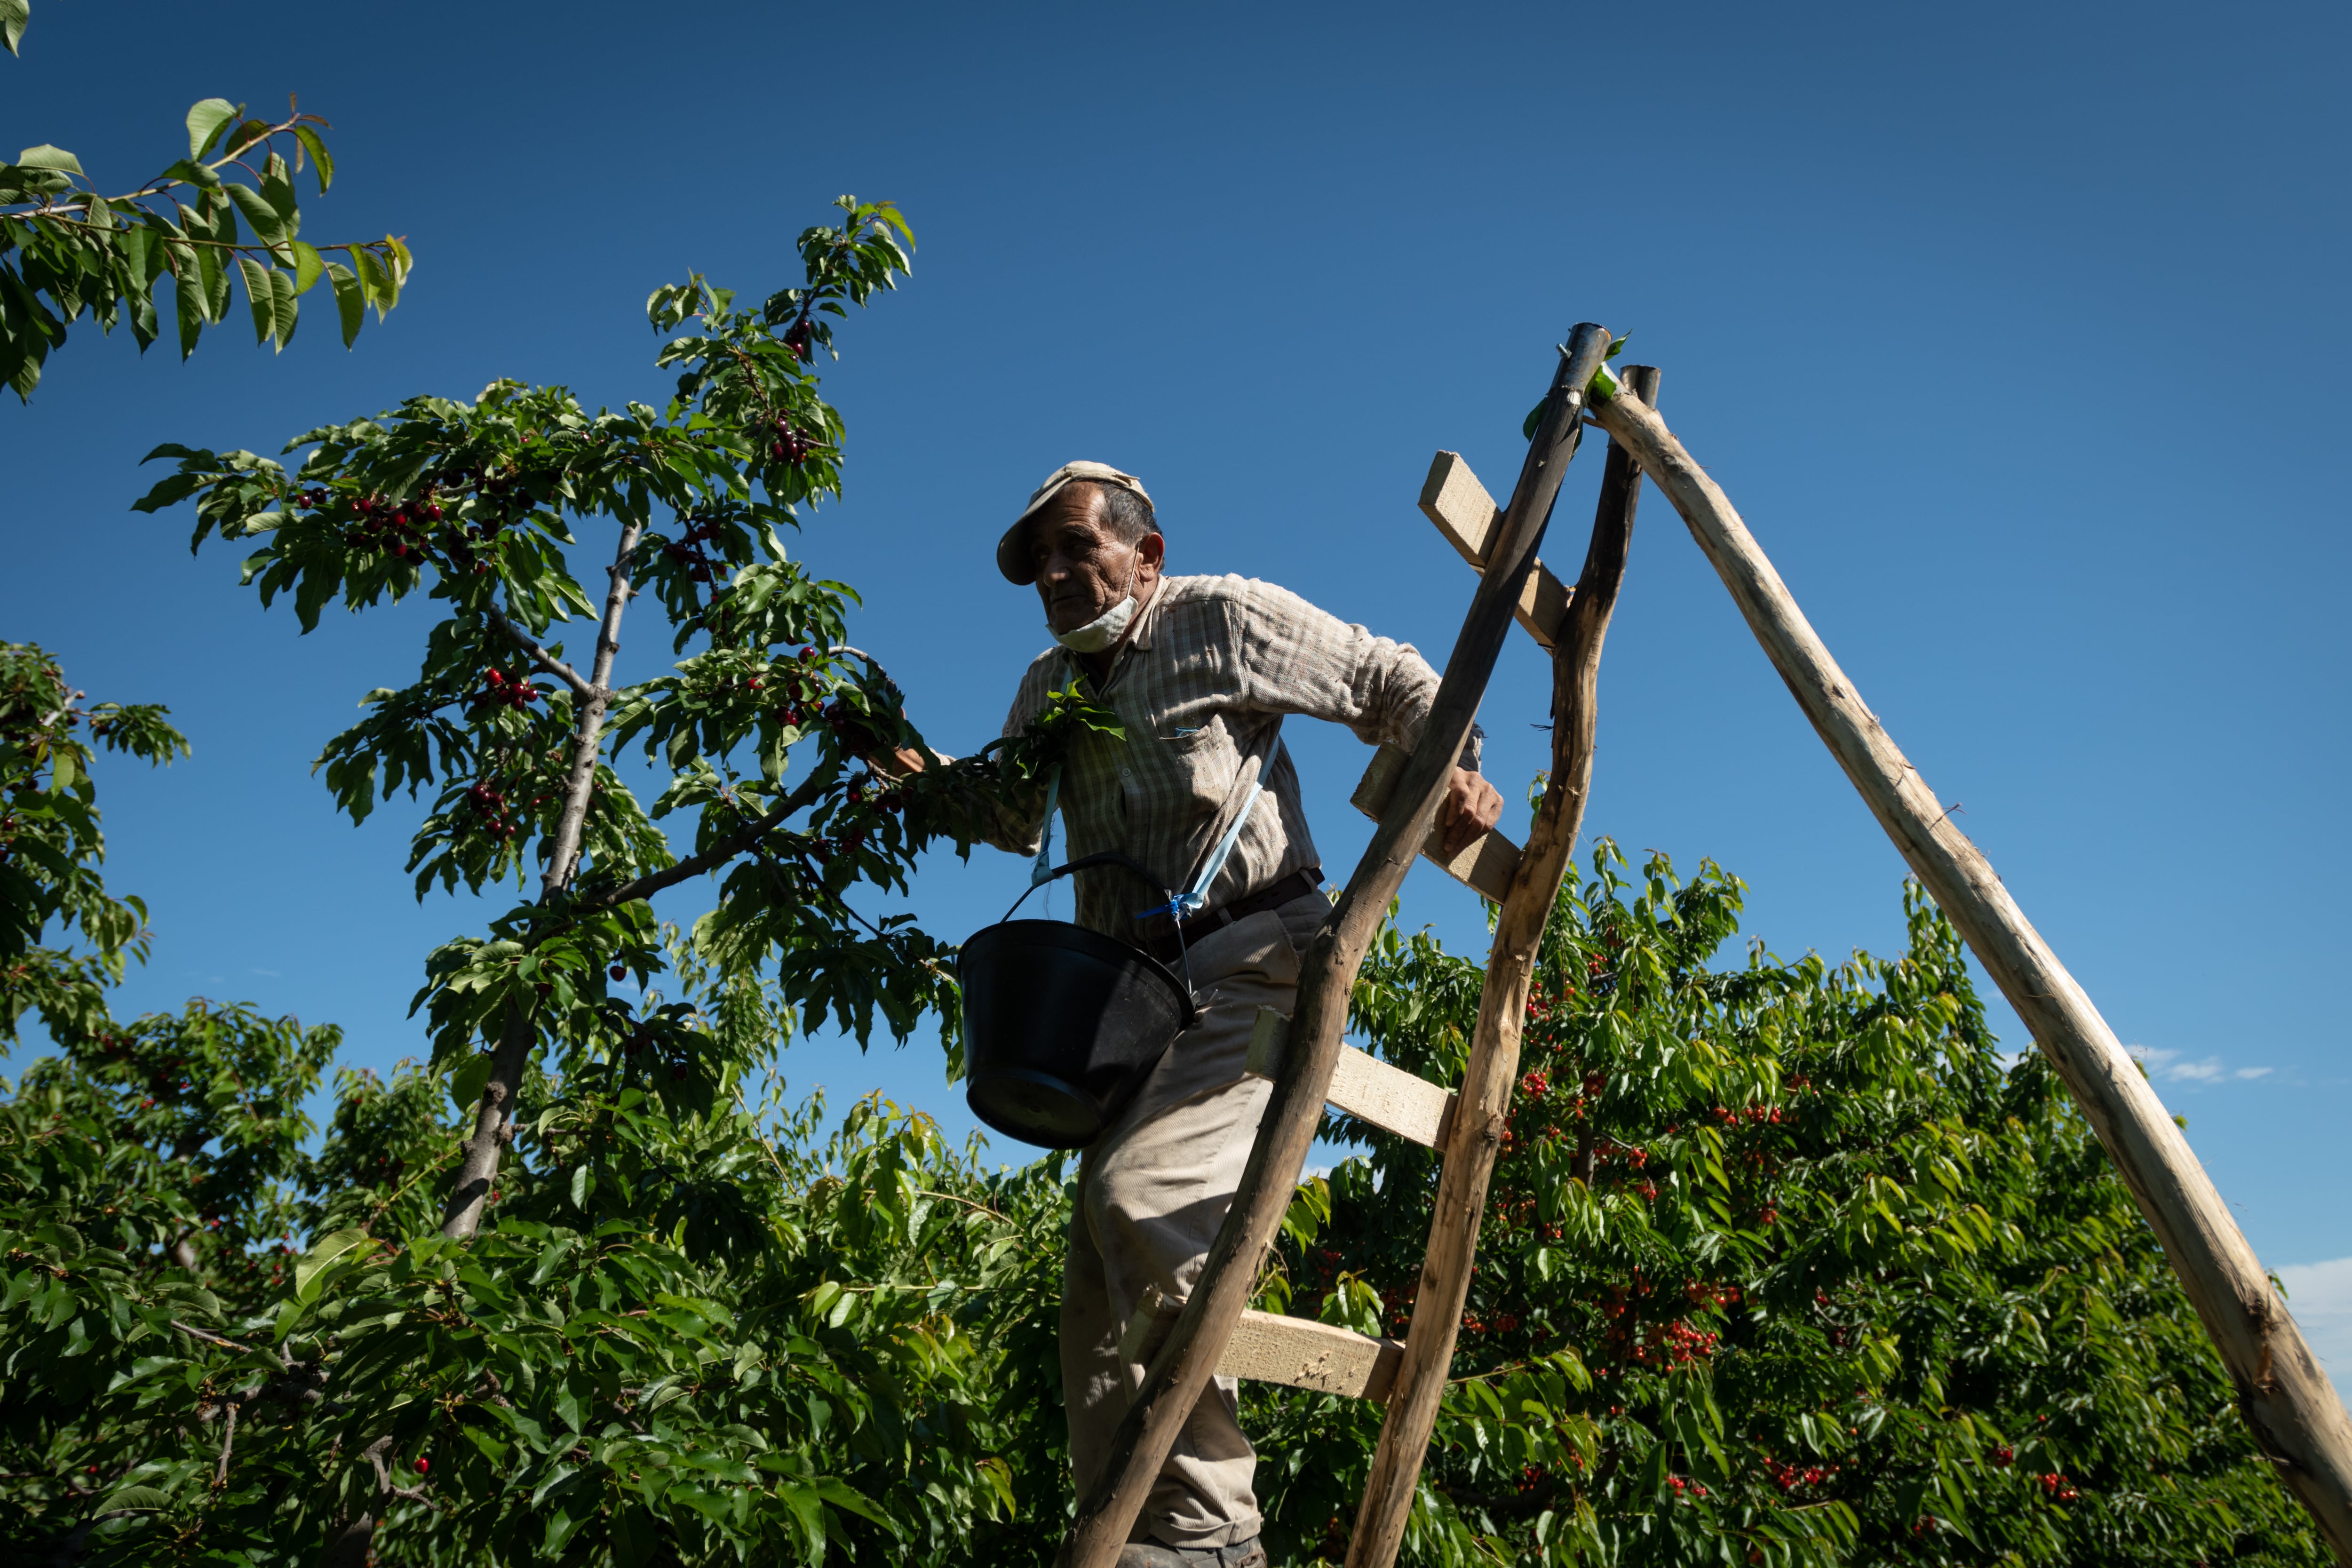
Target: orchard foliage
pixel 1783 1263
pixel 65 249
pixel 643 1330
pixel 476 507
pixel 686 1338
pixel 63 938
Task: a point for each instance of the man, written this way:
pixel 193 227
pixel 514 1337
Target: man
pixel 1202 671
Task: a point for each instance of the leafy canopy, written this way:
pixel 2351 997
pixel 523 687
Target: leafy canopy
pixel 66 248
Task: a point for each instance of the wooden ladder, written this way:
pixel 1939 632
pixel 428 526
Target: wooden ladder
pixel 1212 1330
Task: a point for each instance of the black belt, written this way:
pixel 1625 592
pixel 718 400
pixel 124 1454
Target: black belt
pixel 1298 885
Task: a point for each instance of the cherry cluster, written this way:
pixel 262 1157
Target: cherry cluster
pixel 413 526
pixel 800 692
pixel 1674 1344
pixel 1682 1488
pixel 1789 1477
pixel 500 690
pixel 2057 1486
pixel 789 446
pixel 490 804
pixel 689 547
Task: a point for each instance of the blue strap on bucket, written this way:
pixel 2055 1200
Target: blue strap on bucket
pixel 1185 905
pixel 1043 871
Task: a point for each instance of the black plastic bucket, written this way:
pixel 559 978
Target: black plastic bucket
pixel 1061 1027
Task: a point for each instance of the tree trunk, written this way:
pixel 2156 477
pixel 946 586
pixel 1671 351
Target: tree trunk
pixel 494 1115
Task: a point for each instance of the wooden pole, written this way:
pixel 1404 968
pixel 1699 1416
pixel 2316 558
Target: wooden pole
pixel 1172 1384
pixel 1475 1137
pixel 2293 1411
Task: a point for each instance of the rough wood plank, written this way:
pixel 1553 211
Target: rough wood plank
pixel 1267 1347
pixel 1484 867
pixel 1465 513
pixel 1483 1107
pixel 2287 1402
pixel 1362 1086
pixel 1171 1384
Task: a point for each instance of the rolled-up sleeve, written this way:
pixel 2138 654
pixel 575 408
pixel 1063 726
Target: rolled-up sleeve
pixel 1297 658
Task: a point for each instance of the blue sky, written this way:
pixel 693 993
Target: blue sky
pixel 2015 332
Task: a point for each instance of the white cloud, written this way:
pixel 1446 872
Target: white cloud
pixel 2168 1067
pixel 2320 1297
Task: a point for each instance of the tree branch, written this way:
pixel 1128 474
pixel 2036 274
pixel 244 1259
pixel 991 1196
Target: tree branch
pixel 214 1338
pixel 718 854
pixel 540 655
pixel 228 1443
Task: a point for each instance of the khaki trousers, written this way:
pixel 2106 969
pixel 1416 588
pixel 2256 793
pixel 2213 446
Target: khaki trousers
pixel 1152 1191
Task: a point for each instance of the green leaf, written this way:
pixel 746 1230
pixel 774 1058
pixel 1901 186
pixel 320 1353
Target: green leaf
pixel 382 287
pixel 256 294
pixel 317 147
pixel 47 157
pixel 206 120
pixel 13 15
pixel 466 1083
pixel 327 1249
pixel 189 289
pixel 126 1498
pixel 285 307
pixel 266 222
pixel 350 300
pixel 584 1186
pixel 308 267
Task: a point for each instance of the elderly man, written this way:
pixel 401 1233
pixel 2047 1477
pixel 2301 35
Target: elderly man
pixel 1202 671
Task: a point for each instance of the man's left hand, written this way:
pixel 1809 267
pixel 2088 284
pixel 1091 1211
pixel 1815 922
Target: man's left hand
pixel 1472 806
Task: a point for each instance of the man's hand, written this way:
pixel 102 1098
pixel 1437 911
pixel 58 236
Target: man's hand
pixel 1472 806
pixel 892 764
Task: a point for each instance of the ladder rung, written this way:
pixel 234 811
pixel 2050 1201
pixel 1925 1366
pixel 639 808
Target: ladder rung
pixel 1270 1348
pixel 1364 1087
pixel 1453 499
pixel 1484 867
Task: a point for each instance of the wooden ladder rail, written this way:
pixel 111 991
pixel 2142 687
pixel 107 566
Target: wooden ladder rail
pixel 1178 1373
pixel 2285 1398
pixel 1482 1104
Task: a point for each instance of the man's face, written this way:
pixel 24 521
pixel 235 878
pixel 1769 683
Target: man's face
pixel 1082 570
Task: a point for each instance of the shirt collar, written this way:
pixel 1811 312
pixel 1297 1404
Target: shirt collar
pixel 1150 615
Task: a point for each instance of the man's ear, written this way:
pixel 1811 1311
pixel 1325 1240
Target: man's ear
pixel 1153 547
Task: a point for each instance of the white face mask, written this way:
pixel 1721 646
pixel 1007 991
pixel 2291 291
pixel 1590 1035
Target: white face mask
pixel 1106 628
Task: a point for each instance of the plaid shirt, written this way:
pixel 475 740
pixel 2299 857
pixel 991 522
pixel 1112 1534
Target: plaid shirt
pixel 1201 687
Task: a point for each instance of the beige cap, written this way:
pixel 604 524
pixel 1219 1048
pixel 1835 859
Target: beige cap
pixel 1012 551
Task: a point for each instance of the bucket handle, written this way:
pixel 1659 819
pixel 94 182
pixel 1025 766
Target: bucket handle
pixel 1040 876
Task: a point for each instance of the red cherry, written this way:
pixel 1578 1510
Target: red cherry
pixel 677 1072
pixel 620 971
pixel 423 1465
